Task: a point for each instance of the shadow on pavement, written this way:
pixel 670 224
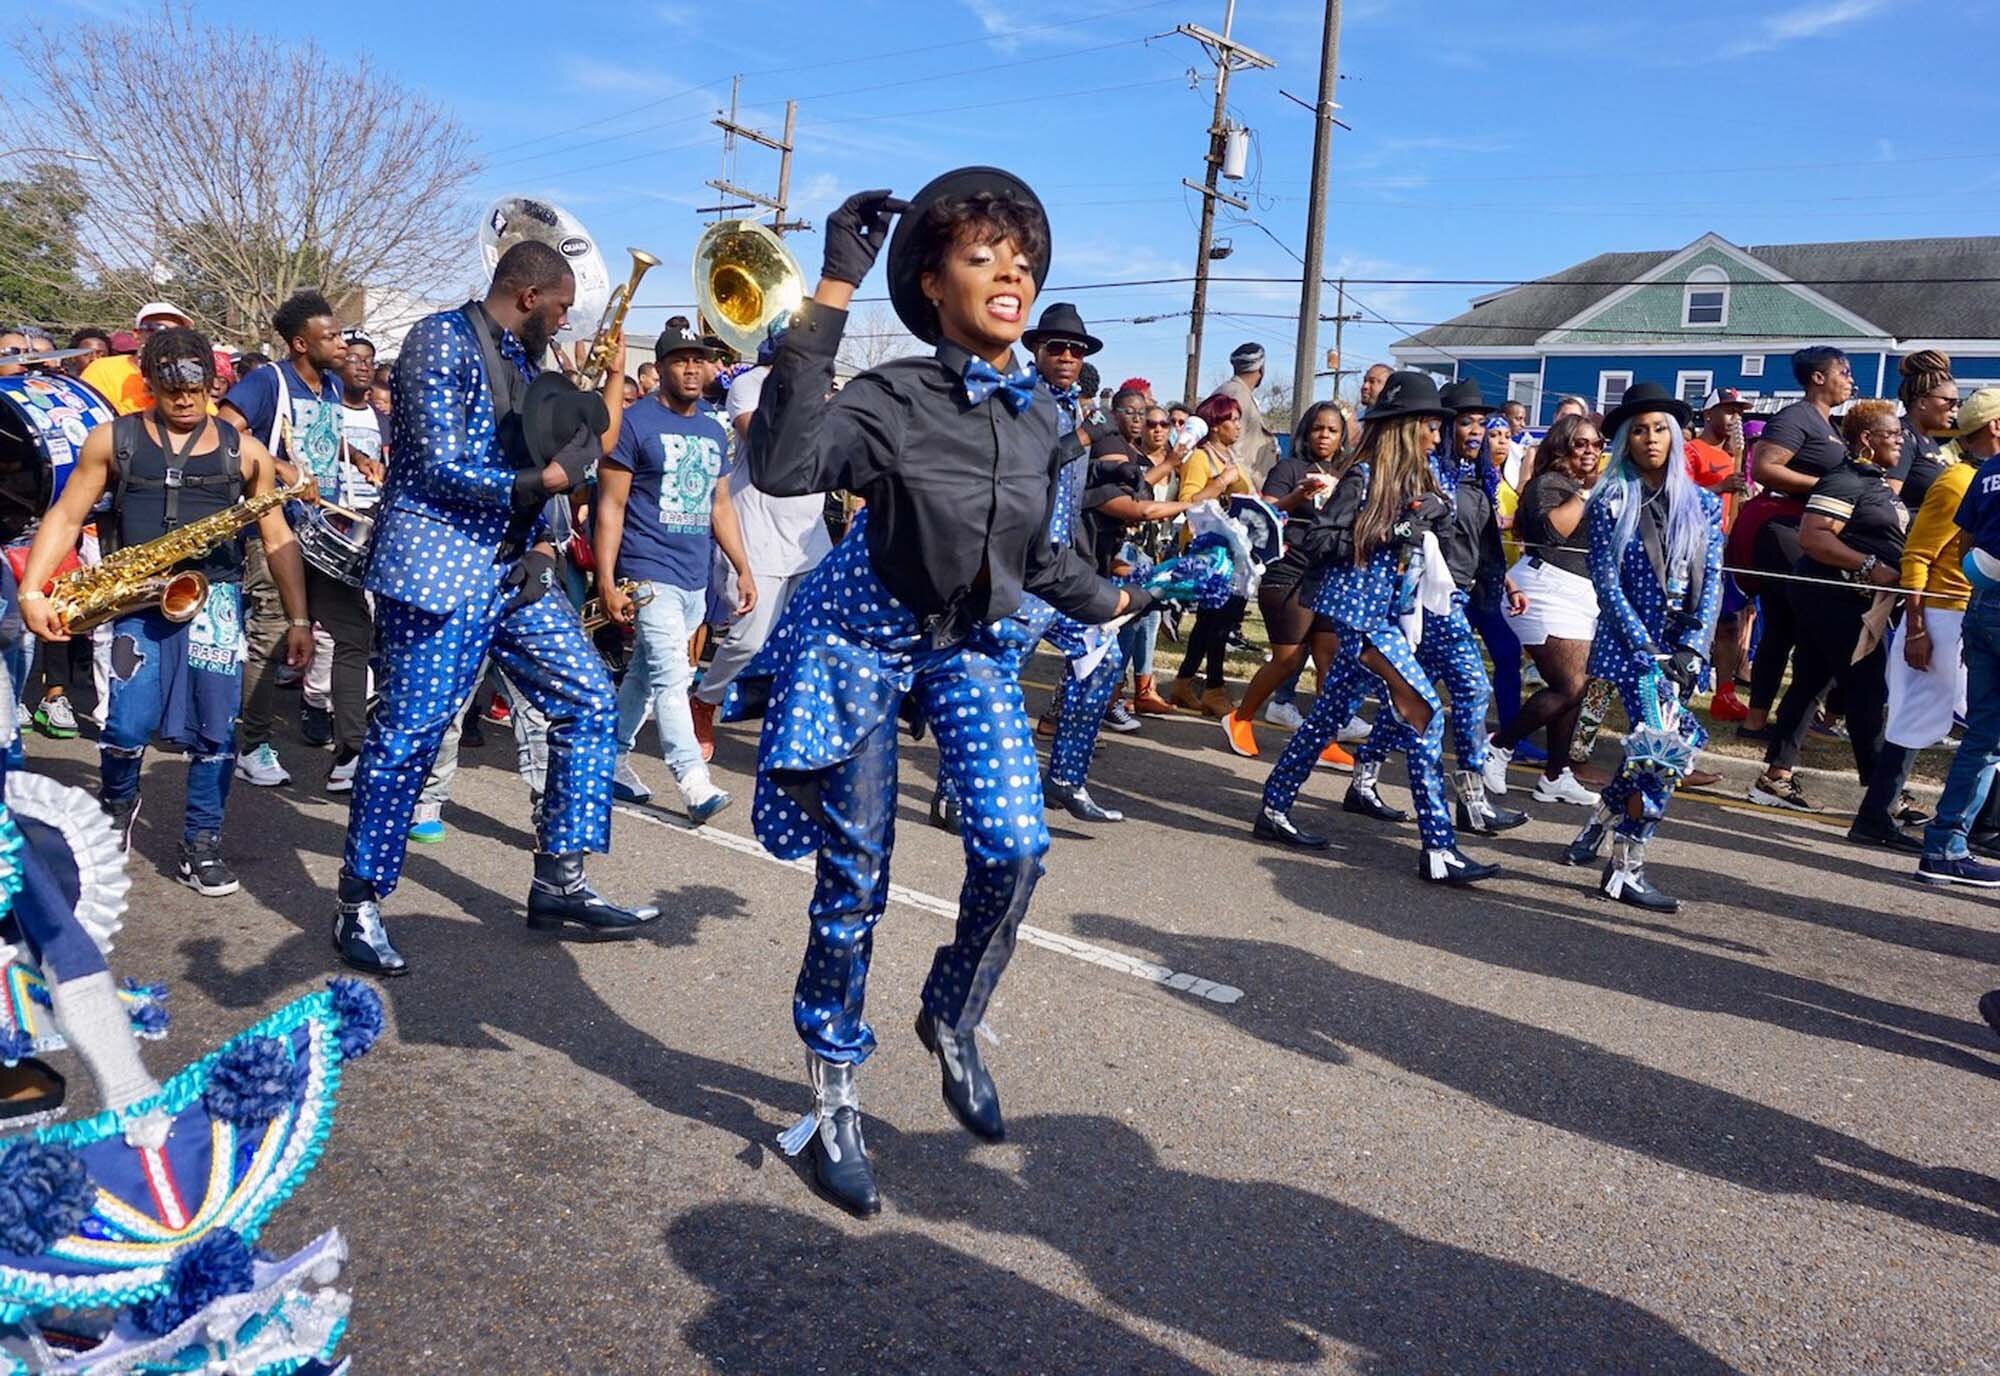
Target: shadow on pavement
pixel 1544 938
pixel 1266 1271
pixel 1308 1004
pixel 792 1293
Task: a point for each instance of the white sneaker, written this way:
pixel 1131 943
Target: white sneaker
pixel 1495 772
pixel 1356 731
pixel 1283 714
pixel 702 798
pixel 340 778
pixel 627 786
pixel 1563 789
pixel 261 767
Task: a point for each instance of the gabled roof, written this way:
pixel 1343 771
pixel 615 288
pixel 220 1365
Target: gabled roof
pixel 1889 298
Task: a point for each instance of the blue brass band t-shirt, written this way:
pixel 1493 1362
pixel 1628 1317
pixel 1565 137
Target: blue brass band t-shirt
pixel 675 462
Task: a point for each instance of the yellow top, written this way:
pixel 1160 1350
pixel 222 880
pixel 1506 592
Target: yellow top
pixel 1198 470
pixel 1935 545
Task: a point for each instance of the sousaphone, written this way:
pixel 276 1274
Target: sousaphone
pixel 746 283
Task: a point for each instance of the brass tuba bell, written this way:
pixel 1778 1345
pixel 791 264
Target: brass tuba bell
pixel 745 282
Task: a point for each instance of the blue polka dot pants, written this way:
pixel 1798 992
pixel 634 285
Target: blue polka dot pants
pixel 1652 791
pixel 1350 681
pixel 1339 698
pixel 1449 653
pixel 429 664
pixel 1083 700
pixel 971 696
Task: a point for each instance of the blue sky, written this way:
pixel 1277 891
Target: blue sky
pixel 1489 140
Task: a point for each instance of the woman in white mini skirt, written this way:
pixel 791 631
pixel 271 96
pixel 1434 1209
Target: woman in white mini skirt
pixel 1560 619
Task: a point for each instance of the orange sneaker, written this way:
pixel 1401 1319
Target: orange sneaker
pixel 1333 757
pixel 704 726
pixel 1241 738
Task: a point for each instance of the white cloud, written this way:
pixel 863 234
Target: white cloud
pixel 1803 21
pixel 676 16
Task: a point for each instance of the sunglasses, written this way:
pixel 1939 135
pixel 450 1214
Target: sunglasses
pixel 1064 346
pixel 1158 424
pixel 1581 445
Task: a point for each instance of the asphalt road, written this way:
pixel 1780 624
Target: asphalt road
pixel 1267 1111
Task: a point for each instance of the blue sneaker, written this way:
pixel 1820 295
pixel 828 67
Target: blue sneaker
pixel 1958 869
pixel 427 827
pixel 1527 752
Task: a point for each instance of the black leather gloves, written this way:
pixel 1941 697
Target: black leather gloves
pixel 856 232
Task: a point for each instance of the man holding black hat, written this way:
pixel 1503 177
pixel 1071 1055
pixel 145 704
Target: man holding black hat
pixel 1256 448
pixel 460 569
pixel 660 499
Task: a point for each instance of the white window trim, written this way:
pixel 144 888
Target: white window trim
pixel 1681 381
pixel 1744 365
pixel 1603 388
pixel 1687 306
pixel 1706 278
pixel 1533 383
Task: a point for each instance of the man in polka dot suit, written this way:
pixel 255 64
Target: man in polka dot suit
pixel 459 570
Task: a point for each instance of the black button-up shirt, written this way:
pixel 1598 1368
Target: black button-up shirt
pixel 958 495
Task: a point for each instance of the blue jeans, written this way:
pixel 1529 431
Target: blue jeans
pixel 1971 777
pixel 659 674
pixel 182 681
pixel 1135 643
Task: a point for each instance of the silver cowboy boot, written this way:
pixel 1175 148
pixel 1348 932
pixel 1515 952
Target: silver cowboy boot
pixel 1625 877
pixel 1475 813
pixel 1362 798
pixel 1584 849
pixel 833 1128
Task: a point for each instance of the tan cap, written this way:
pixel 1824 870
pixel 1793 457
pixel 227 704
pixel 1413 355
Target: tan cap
pixel 1978 411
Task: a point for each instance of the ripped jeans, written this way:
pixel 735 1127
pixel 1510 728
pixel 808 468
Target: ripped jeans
pixel 183 682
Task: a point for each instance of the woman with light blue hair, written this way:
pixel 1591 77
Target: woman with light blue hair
pixel 1656 561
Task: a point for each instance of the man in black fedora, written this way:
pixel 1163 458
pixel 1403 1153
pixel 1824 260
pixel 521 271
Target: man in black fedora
pixel 460 569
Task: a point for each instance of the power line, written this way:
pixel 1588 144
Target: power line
pixel 821 64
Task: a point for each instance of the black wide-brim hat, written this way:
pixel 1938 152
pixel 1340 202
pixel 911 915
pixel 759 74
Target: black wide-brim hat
pixel 556 413
pixel 911 239
pixel 1464 398
pixel 1644 397
pixel 1062 321
pixel 1407 394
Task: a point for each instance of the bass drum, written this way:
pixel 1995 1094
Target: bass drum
pixel 43 420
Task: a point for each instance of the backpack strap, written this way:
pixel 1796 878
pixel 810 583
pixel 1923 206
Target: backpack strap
pixel 125 431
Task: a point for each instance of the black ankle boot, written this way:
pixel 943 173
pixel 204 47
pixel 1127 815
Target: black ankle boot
pixel 1451 865
pixel 358 934
pixel 1077 802
pixel 1583 850
pixel 968 1090
pixel 1272 825
pixel 841 1171
pixel 944 809
pixel 561 895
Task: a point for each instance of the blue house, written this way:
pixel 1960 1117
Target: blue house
pixel 1714 314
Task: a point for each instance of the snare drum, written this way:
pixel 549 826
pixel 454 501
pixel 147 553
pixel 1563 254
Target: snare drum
pixel 335 542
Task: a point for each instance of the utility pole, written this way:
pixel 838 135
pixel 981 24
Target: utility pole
pixel 1228 56
pixel 1308 346
pixel 733 130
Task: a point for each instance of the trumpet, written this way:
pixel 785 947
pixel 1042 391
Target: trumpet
pixel 597 360
pixel 593 613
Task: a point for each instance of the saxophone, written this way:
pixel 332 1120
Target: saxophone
pixel 141 576
pixel 594 615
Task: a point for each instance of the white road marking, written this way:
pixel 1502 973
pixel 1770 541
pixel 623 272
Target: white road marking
pixel 1074 947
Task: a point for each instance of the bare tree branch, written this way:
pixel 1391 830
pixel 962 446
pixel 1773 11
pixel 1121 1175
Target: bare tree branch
pixel 263 168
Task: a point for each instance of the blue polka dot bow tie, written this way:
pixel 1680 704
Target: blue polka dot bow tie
pixel 982 380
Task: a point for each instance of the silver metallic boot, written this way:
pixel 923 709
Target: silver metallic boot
pixel 1625 877
pixel 1363 800
pixel 833 1129
pixel 1590 841
pixel 1475 813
